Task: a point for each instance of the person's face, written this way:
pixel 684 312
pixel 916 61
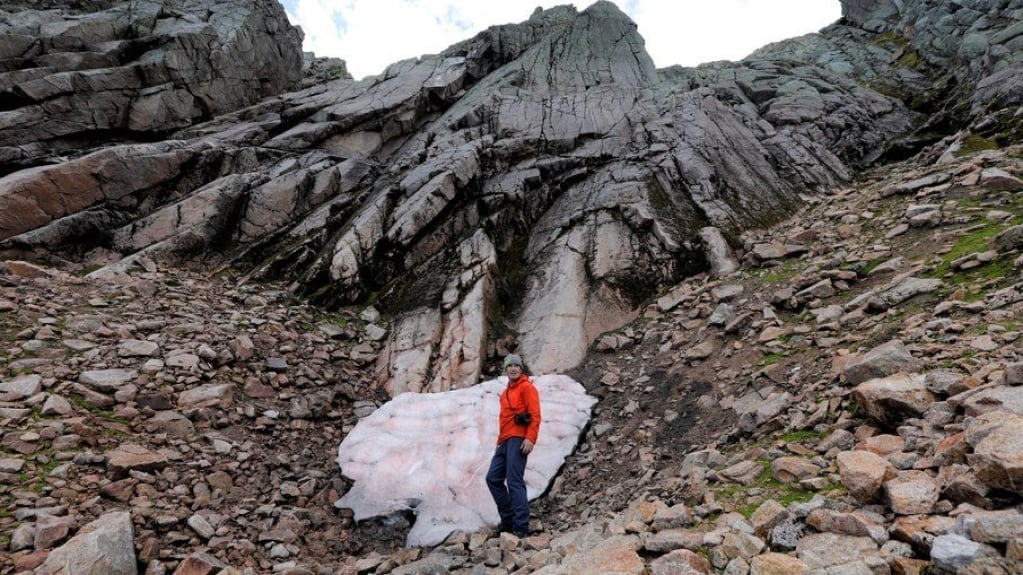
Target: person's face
pixel 513 371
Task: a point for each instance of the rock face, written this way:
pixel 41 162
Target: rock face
pixel 133 70
pixel 103 547
pixel 542 173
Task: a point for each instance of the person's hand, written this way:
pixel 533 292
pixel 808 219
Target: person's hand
pixel 527 446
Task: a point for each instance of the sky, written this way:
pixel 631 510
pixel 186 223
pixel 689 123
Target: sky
pixel 370 34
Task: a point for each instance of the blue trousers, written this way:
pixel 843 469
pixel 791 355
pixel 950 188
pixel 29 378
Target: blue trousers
pixel 508 486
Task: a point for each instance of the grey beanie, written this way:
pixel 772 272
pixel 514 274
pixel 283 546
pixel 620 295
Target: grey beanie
pixel 512 359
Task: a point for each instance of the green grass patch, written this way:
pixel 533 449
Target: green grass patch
pixel 802 435
pixel 889 37
pixel 973 144
pixel 863 269
pixel 780 274
pixel 770 359
pixel 51 464
pixel 911 59
pixel 769 487
pixel 978 240
pixel 104 414
pixel 89 269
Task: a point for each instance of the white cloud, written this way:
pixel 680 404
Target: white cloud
pixel 690 33
pixel 370 34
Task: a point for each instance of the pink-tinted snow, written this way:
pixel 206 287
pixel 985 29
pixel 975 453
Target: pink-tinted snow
pixel 430 453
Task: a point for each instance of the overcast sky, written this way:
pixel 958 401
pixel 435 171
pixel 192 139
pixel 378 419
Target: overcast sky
pixel 370 34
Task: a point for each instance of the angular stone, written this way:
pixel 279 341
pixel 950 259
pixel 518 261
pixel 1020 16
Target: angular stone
pixel 616 554
pixel 999 526
pixel 107 380
pixel 11 465
pixel 856 524
pixel 908 288
pixel 719 254
pixel 200 563
pixel 211 395
pixel 138 348
pixel 864 473
pixel 702 350
pixel 911 493
pixel 767 516
pixel 740 545
pixel 777 564
pixel 886 359
pixel 920 530
pixel 103 547
pixel 56 405
pixel 793 469
pixel 775 251
pixel 130 456
pixel 672 539
pixel 953 552
pixel 22 386
pixel 1010 239
pixel 820 290
pixel 185 361
pixel 672 517
pixel 959 484
pixel 1000 398
pixel 51 530
pixel 744 472
pixel 673 298
pixel 892 399
pixel 948 382
pixel 172 422
pixel 201 526
pixel 822 550
pixel 997 458
pixel 680 562
pixel 122 490
pixel 726 292
pixel 883 444
pixel 999 179
pixel 917 184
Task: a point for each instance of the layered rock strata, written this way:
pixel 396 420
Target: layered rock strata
pixel 540 180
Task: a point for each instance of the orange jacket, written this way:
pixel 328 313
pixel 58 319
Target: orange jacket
pixel 518 397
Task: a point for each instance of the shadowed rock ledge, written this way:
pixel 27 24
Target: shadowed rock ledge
pixel 539 181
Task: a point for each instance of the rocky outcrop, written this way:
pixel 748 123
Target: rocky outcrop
pixel 740 429
pixel 74 77
pixel 539 181
pixel 103 547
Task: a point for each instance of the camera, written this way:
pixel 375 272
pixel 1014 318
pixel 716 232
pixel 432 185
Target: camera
pixel 523 418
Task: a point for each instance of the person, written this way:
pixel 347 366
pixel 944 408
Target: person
pixel 516 438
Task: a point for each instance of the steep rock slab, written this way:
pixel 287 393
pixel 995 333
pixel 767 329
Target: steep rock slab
pixel 550 136
pixel 136 67
pixel 892 399
pixel 439 474
pixel 103 547
pixel 997 441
